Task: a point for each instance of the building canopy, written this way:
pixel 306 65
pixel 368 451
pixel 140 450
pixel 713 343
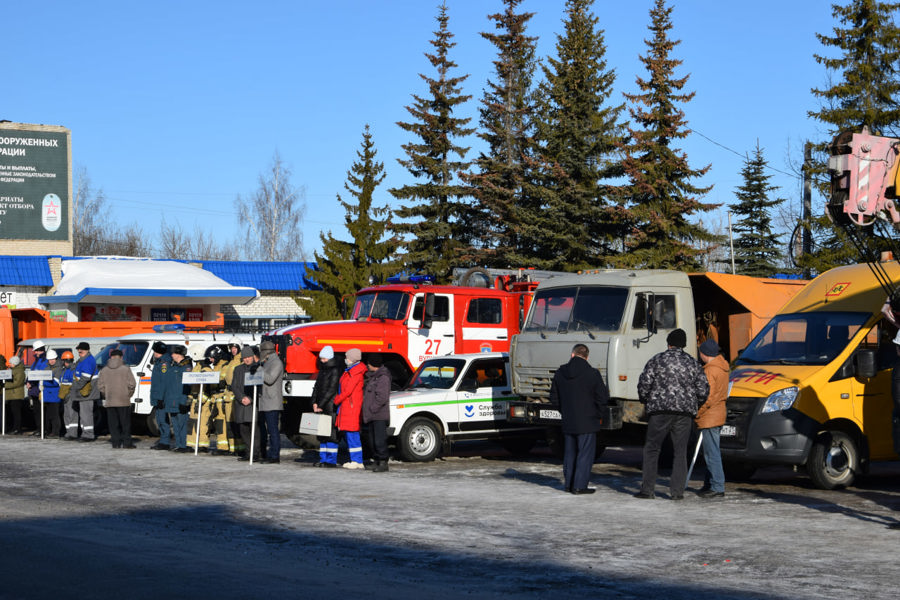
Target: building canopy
pixel 142 281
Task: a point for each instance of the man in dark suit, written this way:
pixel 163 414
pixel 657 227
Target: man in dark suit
pixel 580 393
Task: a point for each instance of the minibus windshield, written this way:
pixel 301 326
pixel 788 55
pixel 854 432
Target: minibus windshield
pixel 814 338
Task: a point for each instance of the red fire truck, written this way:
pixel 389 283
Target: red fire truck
pixel 407 322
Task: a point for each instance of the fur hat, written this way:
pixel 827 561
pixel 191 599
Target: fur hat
pixel 83 346
pixel 354 355
pixel 327 353
pixel 709 348
pixel 375 360
pixel 677 338
pixel 266 348
pixel 179 350
pixel 160 347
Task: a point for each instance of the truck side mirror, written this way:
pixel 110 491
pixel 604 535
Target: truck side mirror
pixel 866 363
pixel 649 300
pixel 428 313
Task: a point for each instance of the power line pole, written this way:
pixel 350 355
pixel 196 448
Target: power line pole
pixel 806 244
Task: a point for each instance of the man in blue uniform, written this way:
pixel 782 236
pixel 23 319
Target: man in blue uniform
pixel 160 364
pixel 175 398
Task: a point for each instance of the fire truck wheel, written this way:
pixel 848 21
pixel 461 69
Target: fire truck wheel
pixel 420 440
pixel 152 427
pixel 833 461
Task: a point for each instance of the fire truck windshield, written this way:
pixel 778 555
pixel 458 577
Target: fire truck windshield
pixel 381 305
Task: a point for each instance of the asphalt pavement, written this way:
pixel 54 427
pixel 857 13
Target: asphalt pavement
pixel 87 521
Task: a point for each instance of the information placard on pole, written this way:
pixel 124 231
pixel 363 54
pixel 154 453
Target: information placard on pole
pixel 193 378
pixel 256 380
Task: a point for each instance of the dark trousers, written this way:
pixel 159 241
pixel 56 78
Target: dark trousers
pixel 272 433
pixel 246 429
pixel 51 419
pixel 35 403
pixel 658 427
pixel 378 440
pixel 578 459
pixel 14 415
pixel 119 425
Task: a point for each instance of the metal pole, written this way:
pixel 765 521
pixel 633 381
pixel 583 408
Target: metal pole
pixel 41 394
pixel 3 392
pixel 731 241
pixel 806 234
pixel 253 427
pixel 696 452
pixel 199 414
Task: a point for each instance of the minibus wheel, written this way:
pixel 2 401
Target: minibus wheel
pixel 833 461
pixel 420 440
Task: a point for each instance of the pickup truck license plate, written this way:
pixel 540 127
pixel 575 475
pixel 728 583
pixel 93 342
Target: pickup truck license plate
pixel 550 414
pixel 728 431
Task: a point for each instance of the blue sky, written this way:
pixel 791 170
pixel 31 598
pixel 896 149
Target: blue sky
pixel 177 107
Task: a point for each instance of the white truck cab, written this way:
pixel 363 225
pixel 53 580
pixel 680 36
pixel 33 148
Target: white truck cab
pixel 455 397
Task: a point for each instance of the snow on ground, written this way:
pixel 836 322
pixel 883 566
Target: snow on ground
pixel 86 521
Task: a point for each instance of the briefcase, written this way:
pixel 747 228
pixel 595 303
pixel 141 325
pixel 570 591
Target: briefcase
pixel 315 424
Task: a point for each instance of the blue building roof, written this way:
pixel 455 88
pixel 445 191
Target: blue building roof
pixel 272 276
pixel 25 270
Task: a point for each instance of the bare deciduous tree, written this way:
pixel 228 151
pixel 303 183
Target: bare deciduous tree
pixel 271 218
pixel 175 242
pixel 93 233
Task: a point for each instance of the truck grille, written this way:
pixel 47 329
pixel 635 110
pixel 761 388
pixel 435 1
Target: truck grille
pixel 740 412
pixel 535 383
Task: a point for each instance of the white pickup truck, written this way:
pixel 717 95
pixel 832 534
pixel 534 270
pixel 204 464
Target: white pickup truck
pixel 457 397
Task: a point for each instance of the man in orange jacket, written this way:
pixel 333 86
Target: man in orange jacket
pixel 349 401
pixel 711 416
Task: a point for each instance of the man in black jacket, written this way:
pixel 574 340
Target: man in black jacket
pixel 579 391
pixel 324 391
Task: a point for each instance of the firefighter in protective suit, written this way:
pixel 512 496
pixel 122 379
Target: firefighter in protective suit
pixel 206 423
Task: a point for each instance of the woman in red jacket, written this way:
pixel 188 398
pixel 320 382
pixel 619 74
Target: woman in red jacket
pixel 349 401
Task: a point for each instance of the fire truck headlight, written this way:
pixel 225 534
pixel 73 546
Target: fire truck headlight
pixel 781 400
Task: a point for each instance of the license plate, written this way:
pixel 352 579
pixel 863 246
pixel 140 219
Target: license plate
pixel 728 431
pixel 550 414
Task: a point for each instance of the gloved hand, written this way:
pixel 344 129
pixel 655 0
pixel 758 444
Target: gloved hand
pixel 184 408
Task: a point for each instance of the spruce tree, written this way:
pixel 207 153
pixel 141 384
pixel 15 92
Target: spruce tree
pixel 345 267
pixel 434 223
pixel 661 198
pixel 756 248
pixel 580 132
pixel 865 80
pixel 864 85
pixel 506 196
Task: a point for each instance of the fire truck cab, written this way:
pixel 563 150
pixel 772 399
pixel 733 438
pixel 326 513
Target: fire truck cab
pixel 407 323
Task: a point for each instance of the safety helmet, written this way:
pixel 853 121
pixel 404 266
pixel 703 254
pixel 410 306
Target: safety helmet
pixel 67 355
pixel 37 345
pixel 214 353
pixel 234 341
pixel 51 354
pixel 196 353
